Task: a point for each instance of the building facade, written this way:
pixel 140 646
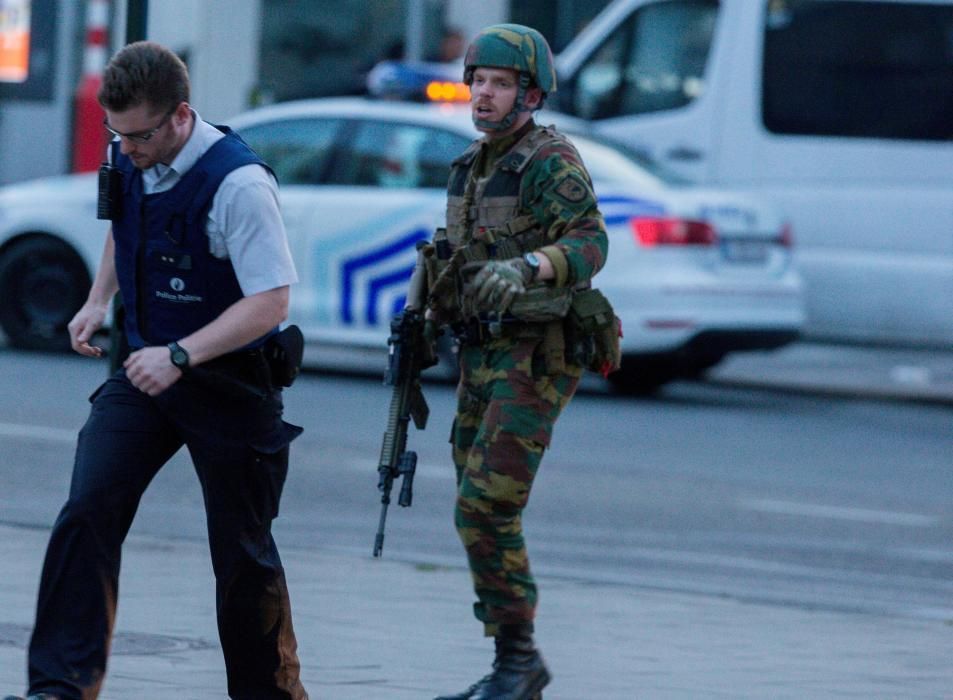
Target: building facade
pixel 240 53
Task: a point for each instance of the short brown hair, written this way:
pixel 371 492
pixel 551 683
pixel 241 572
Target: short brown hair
pixel 144 72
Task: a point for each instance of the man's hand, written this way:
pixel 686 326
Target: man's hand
pixel 85 323
pixel 498 282
pixel 151 370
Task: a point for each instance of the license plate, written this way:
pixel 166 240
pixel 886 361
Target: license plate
pixel 744 252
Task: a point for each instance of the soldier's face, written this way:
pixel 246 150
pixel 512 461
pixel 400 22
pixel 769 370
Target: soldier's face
pixel 492 96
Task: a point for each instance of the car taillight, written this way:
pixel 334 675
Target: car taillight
pixel 668 231
pixel 785 238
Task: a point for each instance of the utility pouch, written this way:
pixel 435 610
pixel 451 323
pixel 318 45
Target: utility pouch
pixel 541 304
pixel 284 352
pixel 109 197
pixel 594 332
pixel 554 348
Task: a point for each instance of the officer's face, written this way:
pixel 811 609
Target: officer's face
pixel 492 96
pixel 148 136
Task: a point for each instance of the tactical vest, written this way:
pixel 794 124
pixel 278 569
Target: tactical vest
pixel 171 284
pixel 486 222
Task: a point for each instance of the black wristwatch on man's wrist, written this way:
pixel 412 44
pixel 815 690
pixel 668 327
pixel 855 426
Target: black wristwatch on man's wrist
pixel 179 356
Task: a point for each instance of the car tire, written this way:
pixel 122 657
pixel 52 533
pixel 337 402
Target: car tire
pixel 642 376
pixel 697 367
pixel 43 283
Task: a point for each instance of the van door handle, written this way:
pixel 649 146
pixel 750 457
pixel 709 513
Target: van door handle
pixel 683 153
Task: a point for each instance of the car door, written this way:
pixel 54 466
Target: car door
pixel 380 188
pixel 300 150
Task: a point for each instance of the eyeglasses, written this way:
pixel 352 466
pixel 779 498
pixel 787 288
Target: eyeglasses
pixel 142 136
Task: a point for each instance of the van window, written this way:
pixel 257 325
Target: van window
pixel 653 61
pixel 862 69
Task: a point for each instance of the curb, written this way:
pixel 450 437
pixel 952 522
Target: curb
pixel 828 389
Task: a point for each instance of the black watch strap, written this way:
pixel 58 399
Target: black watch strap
pixel 178 355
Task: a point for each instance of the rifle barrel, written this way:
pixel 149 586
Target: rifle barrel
pixel 379 539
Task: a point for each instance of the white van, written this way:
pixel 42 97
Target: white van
pixel 839 111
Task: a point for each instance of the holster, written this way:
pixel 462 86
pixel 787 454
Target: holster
pixel 284 352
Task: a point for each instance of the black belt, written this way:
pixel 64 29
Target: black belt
pixel 245 365
pixel 479 331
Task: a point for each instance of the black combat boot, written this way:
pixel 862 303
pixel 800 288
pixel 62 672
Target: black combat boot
pixel 469 692
pixel 518 670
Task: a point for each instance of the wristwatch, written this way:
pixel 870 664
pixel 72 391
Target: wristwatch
pixel 532 260
pixel 178 355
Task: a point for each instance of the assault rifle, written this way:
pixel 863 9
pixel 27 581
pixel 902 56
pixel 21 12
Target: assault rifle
pixel 410 353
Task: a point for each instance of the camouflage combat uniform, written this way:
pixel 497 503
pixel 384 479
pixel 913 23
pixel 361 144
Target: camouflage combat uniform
pixel 528 191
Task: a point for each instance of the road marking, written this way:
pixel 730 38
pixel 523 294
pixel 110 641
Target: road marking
pixel 912 375
pixel 812 510
pixel 37 432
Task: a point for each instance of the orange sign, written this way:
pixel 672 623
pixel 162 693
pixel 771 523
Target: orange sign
pixel 14 41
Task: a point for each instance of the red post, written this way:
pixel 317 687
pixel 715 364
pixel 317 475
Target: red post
pixel 89 136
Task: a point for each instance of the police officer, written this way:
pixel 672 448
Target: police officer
pixel 200 255
pixel 523 233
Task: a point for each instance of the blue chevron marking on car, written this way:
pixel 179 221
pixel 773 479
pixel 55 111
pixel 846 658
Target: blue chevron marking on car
pixel 352 266
pixel 330 252
pixel 378 285
pixel 618 210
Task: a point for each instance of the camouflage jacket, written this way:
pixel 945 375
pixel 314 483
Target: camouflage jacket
pixel 528 191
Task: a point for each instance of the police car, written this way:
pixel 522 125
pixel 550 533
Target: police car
pixel 693 273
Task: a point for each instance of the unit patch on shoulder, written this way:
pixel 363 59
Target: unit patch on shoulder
pixel 572 189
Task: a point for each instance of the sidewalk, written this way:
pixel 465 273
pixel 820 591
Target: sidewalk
pixel 387 630
pixel 835 370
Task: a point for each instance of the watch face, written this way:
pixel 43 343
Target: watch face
pixel 531 260
pixel 179 357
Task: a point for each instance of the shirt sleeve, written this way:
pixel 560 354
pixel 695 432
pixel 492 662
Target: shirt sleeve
pixel 245 226
pixel 558 191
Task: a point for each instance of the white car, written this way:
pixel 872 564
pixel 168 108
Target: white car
pixel 693 273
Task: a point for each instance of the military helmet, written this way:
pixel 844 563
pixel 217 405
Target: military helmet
pixel 514 46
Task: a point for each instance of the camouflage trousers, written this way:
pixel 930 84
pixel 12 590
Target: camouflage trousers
pixel 506 408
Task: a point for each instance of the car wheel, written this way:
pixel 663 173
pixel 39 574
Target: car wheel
pixel 642 376
pixel 696 367
pixel 43 283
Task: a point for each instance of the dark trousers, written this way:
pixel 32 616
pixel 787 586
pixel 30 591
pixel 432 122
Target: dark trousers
pixel 239 447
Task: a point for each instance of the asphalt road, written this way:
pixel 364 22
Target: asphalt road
pixel 787 499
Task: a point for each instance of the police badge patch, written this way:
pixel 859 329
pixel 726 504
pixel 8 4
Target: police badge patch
pixel 572 189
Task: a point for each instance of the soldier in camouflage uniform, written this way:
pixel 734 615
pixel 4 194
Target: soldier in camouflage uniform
pixel 523 233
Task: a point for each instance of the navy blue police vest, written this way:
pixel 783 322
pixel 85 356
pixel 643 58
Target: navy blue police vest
pixel 171 284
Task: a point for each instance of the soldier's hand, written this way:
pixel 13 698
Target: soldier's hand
pixel 431 332
pixel 498 282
